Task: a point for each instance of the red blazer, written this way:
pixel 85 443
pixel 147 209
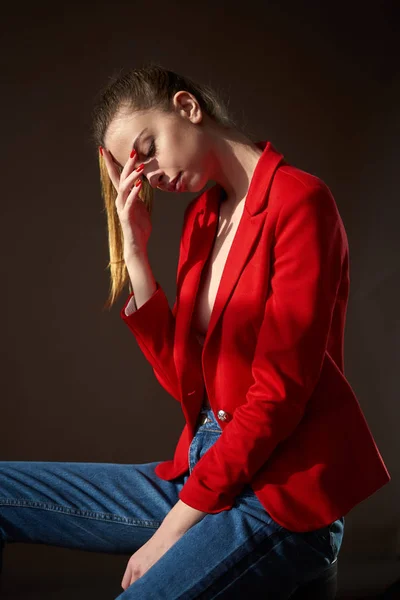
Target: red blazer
pixel 272 360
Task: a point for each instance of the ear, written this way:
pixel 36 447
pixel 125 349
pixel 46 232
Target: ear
pixel 187 106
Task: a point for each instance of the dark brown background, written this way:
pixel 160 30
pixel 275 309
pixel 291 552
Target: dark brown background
pixel 321 82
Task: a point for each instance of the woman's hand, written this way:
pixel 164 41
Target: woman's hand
pixel 132 212
pixel 175 524
pixel 148 554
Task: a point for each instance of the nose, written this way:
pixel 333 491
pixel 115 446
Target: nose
pixel 155 179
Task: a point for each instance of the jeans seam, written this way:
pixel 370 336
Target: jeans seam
pixel 213 430
pixel 333 545
pixel 81 513
pixel 324 538
pixel 205 593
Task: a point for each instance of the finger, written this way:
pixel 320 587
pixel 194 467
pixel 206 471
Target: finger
pixel 127 577
pixel 132 197
pixel 133 194
pixel 129 165
pixel 130 180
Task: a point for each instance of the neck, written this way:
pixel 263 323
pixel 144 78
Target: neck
pixel 234 159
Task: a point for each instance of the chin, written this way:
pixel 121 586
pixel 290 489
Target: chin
pixel 197 184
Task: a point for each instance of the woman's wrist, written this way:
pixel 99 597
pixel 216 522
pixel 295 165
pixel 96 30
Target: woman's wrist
pixel 181 518
pixel 132 254
pixel 142 280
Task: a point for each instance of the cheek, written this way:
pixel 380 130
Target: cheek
pixel 190 143
pixel 185 149
pixel 196 158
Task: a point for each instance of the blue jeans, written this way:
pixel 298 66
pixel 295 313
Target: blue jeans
pixel 116 508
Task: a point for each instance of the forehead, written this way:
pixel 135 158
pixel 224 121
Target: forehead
pixel 122 133
pixel 130 124
pixel 124 128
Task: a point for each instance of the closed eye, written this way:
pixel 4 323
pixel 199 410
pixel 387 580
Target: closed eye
pixel 152 149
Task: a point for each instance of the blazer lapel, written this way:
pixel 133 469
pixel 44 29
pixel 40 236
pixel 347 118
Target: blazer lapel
pixel 200 241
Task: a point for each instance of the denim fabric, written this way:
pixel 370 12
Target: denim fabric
pixel 116 508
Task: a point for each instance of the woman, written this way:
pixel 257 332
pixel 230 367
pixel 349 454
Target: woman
pixel 275 449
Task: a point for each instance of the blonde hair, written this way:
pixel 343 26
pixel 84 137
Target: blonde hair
pixel 149 87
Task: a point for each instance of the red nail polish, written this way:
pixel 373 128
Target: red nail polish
pixel 139 182
pixel 140 167
pixel 133 153
pixel 101 150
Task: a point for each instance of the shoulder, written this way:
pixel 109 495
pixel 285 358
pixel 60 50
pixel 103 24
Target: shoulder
pixel 292 177
pixel 302 207
pixel 294 188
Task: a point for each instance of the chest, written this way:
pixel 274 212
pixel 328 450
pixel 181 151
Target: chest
pixel 213 269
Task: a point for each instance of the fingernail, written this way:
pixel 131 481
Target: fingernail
pixel 139 181
pixel 140 167
pixel 133 153
pixel 101 150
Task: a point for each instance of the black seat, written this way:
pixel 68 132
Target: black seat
pixel 323 587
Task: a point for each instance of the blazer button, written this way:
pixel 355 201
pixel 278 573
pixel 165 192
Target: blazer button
pixel 223 416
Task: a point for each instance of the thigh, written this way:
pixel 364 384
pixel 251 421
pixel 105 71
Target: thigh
pixel 103 507
pixel 237 553
pixel 241 552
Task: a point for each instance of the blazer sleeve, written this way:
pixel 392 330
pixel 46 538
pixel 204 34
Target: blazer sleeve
pixel 153 325
pixel 309 250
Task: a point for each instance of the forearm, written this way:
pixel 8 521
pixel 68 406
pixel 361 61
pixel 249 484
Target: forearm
pixel 181 518
pixel 141 277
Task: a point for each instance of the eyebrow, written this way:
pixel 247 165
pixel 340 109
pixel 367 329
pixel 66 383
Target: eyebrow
pixel 134 145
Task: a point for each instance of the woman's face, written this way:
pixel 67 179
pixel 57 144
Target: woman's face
pixel 169 144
